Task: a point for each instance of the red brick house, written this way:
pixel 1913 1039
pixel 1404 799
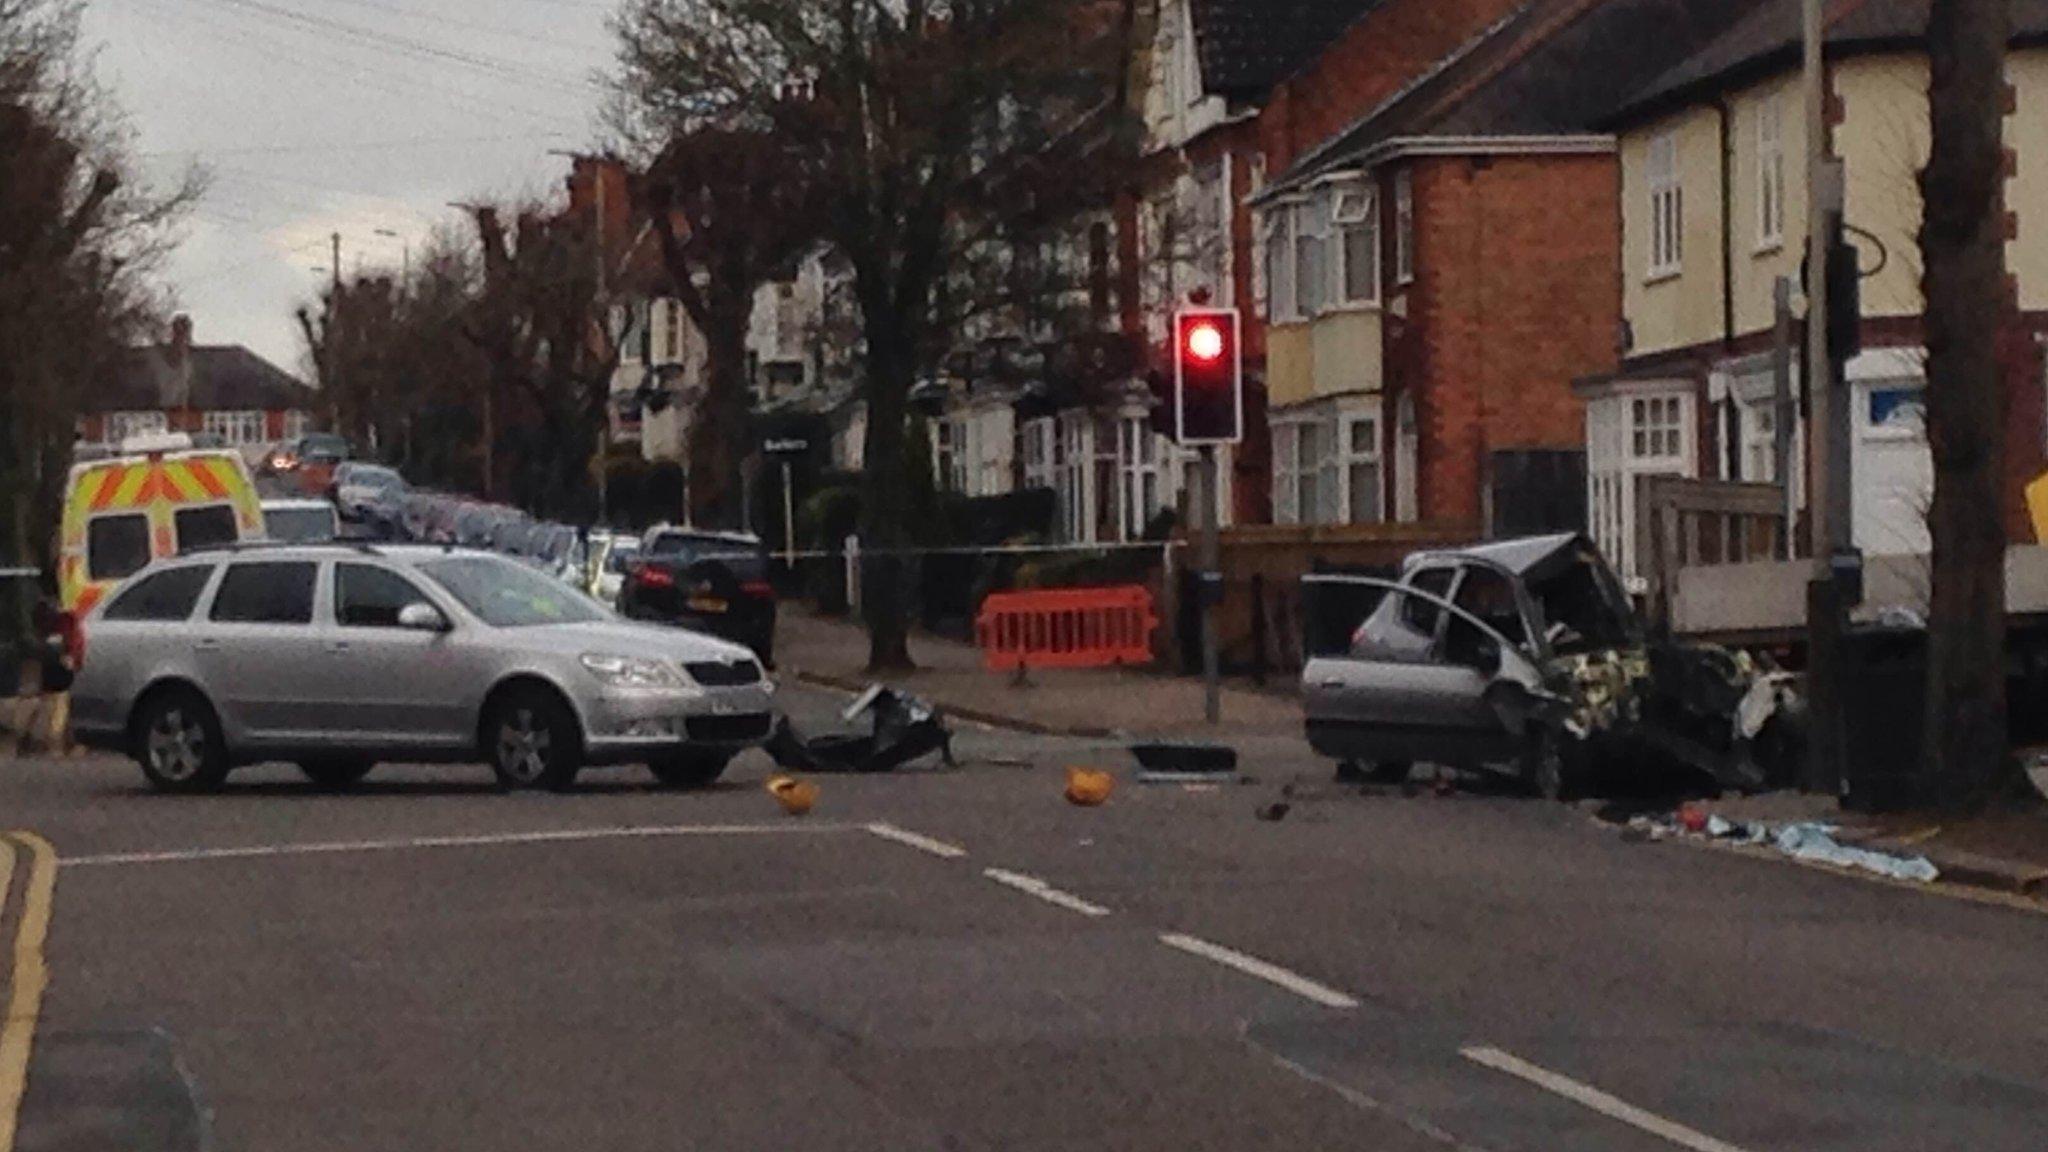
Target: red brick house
pixel 219 390
pixel 1440 256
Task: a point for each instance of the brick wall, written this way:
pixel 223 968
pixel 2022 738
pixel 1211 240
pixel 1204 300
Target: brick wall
pixel 1373 59
pixel 1516 294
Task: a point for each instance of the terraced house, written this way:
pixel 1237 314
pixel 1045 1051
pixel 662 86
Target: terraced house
pixel 1713 212
pixel 1439 254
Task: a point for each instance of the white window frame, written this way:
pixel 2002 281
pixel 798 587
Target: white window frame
pixel 235 427
pixel 1770 172
pixel 1350 456
pixel 1040 453
pixel 1404 227
pixel 1312 256
pixel 1666 188
pixel 1293 468
pixel 122 425
pixel 1144 458
pixel 297 422
pixel 1651 431
pixel 1355 210
pixel 672 347
pixel 1075 475
pixel 1278 264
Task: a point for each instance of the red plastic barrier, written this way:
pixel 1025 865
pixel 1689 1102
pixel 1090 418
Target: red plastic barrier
pixel 1066 628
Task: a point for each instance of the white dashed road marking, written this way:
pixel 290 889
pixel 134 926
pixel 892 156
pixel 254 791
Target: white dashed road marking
pixel 1033 886
pixel 937 848
pixel 422 842
pixel 1300 985
pixel 1588 1096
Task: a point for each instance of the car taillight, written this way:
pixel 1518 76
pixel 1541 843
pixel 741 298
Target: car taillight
pixel 652 577
pixel 759 589
pixel 74 639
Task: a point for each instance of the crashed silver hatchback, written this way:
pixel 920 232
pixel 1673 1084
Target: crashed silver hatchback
pixel 1526 654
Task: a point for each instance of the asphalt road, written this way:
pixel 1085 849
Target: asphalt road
pixel 964 961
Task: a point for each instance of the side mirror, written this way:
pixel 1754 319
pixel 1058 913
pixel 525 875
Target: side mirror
pixel 422 617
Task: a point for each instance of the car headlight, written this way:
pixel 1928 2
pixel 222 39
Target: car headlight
pixel 631 671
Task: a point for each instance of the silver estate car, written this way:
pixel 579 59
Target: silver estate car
pixel 336 657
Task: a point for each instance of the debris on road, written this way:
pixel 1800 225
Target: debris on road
pixel 903 730
pixel 1089 788
pixel 797 797
pixel 1181 763
pixel 1806 840
pixel 1275 812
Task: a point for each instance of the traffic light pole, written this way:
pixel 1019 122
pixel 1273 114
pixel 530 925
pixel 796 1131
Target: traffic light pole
pixel 1211 582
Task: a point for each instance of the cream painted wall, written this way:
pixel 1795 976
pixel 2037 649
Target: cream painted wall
pixel 1675 310
pixel 1757 265
pixel 1339 352
pixel 2027 132
pixel 1883 140
pixel 1290 364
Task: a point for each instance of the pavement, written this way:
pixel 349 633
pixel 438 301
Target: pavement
pixel 962 960
pixel 1073 702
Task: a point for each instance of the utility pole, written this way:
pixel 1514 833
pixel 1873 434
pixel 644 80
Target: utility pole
pixel 1836 576
pixel 335 265
pixel 1785 412
pixel 1212 577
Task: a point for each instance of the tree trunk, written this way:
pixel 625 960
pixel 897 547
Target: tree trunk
pixel 1962 247
pixel 885 498
pixel 719 444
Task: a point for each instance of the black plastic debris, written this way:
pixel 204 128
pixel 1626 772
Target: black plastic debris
pixel 1179 763
pixel 903 730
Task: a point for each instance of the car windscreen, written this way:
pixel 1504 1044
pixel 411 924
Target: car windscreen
pixel 371 476
pixel 619 557
pixel 507 595
pixel 299 525
pixel 325 445
pixel 744 561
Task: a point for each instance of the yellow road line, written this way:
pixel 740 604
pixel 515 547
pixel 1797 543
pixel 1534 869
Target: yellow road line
pixel 25 1000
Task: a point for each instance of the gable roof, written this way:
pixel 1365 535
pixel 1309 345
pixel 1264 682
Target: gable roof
pixel 1768 40
pixel 1552 68
pixel 1248 46
pixel 225 377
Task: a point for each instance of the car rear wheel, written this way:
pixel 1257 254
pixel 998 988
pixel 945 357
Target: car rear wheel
pixel 690 769
pixel 178 742
pixel 532 741
pixel 336 774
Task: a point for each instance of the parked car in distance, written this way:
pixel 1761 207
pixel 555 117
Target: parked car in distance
pixel 359 486
pixel 713 582
pixel 337 657
pixel 300 521
pixel 292 454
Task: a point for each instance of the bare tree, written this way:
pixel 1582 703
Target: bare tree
pixel 1962 245
pixel 80 238
pixel 940 128
pixel 733 207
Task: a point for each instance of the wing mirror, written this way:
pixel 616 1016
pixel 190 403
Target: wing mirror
pixel 422 617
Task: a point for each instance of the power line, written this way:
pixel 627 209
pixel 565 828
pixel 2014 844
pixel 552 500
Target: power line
pixel 274 51
pixel 356 146
pixel 407 46
pixel 467 26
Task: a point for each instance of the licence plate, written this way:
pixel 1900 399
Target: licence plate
pixel 707 604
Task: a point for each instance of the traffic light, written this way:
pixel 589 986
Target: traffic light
pixel 1208 376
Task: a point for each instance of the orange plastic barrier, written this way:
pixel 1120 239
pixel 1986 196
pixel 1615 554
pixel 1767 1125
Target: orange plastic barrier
pixel 1066 628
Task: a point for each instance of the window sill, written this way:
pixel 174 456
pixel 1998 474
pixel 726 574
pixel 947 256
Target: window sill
pixel 1769 247
pixel 1352 308
pixel 1661 275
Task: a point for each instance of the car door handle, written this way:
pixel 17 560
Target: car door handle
pixel 206 646
pixel 338 648
pixel 1329 683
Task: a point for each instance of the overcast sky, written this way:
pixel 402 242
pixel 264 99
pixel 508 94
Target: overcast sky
pixel 351 116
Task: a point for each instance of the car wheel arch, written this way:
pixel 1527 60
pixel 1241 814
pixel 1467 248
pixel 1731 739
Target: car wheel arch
pixel 158 687
pixel 525 682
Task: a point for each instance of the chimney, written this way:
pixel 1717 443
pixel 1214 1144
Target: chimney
pixel 178 358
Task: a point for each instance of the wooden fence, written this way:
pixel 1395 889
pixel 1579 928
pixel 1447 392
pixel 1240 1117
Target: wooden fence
pixel 1683 523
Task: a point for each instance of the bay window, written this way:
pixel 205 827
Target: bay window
pixel 1358 248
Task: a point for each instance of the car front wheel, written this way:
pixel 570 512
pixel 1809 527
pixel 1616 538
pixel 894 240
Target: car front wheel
pixel 532 742
pixel 178 742
pixel 1548 768
pixel 690 769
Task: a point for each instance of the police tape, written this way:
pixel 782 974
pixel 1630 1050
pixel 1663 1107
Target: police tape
pixel 1167 546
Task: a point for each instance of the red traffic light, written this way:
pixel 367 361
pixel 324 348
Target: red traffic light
pixel 1205 342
